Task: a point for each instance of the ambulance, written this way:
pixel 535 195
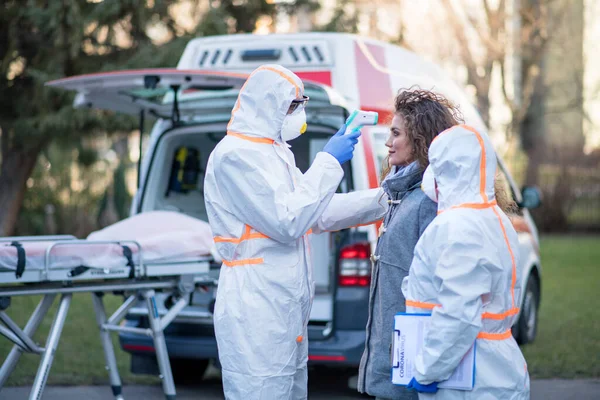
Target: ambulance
pixel 192 105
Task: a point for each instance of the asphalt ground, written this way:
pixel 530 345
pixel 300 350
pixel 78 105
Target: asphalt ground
pixel 330 385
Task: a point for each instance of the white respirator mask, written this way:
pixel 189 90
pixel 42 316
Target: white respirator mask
pixel 294 125
pixel 428 184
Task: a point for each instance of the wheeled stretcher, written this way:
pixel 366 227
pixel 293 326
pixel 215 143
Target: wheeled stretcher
pixel 60 266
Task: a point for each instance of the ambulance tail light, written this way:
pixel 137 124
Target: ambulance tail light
pixel 355 265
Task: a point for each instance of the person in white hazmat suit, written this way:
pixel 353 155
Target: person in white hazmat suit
pixel 465 272
pixel 262 210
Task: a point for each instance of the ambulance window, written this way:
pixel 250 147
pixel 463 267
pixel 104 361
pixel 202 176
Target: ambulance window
pixel 306 54
pixel 176 180
pixel 318 53
pixel 305 149
pixel 203 59
pixel 215 57
pixel 293 54
pixel 227 55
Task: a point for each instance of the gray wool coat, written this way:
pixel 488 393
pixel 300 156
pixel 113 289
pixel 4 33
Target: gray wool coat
pixel 409 214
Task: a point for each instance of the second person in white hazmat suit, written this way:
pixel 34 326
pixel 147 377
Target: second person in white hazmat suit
pixel 262 210
pixel 465 272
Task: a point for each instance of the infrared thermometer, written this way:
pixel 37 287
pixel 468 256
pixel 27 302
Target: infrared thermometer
pixel 360 118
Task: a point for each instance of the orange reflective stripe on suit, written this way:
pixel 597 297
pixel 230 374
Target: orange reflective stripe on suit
pixel 247 235
pixel 250 138
pixel 485 315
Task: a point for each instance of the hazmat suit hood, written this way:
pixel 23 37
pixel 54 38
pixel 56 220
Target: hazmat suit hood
pixel 464 165
pixel 263 102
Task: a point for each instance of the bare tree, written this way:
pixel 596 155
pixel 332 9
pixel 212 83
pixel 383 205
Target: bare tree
pixel 494 39
pixel 490 34
pixel 515 30
pixel 530 39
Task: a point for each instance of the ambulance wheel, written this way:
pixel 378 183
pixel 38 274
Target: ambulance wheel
pixel 525 329
pixel 188 371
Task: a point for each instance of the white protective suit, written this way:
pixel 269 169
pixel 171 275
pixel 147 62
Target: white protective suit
pixel 465 272
pixel 262 209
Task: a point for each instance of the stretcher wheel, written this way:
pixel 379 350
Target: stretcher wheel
pixel 4 303
pixel 169 302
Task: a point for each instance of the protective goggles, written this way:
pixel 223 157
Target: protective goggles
pixel 298 105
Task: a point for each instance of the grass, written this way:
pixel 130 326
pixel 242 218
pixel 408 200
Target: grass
pixel 568 340
pixel 567 346
pixel 79 358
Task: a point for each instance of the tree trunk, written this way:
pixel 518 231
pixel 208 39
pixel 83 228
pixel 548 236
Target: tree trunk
pixel 17 166
pixel 483 105
pixel 534 160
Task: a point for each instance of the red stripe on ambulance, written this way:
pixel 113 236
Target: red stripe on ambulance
pixel 374 85
pixel 368 147
pixel 375 92
pixel 323 77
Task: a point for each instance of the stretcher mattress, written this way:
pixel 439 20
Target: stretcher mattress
pixel 161 237
pixel 102 255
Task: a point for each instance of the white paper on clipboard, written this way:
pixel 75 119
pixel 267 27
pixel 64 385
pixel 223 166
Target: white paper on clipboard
pixel 409 333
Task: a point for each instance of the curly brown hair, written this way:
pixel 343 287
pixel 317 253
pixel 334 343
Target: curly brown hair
pixel 504 198
pixel 425 114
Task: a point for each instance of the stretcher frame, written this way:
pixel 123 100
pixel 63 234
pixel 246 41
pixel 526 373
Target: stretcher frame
pixel 146 280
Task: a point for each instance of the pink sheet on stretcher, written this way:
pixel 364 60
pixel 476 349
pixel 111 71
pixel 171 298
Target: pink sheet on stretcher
pixel 163 235
pixel 63 256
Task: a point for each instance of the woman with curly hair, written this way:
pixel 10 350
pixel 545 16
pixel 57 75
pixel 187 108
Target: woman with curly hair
pixel 419 115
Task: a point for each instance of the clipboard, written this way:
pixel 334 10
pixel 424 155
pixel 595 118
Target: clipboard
pixel 407 341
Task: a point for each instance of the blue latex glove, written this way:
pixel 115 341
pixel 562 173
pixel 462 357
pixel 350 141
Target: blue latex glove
pixel 431 388
pixel 342 146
